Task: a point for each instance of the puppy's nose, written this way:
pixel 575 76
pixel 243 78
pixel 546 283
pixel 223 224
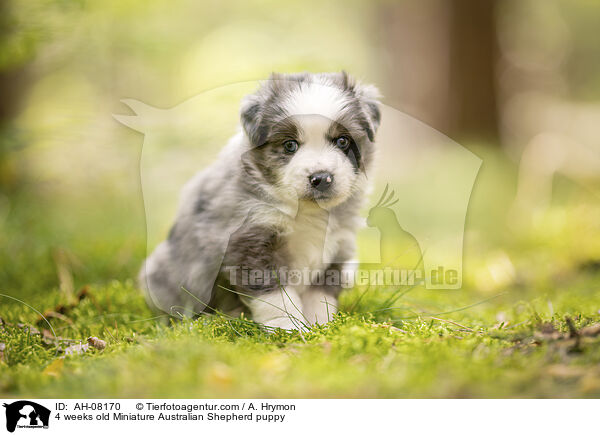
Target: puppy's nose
pixel 321 180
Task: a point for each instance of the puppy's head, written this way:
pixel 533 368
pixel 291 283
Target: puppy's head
pixel 311 135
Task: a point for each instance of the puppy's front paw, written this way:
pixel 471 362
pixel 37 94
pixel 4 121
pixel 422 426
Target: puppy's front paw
pixel 286 323
pixel 278 309
pixel 319 307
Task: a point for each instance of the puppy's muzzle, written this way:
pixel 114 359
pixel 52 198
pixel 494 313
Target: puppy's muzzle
pixel 321 180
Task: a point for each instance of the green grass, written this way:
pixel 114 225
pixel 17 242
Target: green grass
pixel 353 356
pixel 74 260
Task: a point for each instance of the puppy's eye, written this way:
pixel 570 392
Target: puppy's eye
pixel 342 142
pixel 290 146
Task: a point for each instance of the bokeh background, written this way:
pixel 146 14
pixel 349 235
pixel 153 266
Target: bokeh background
pixel 517 82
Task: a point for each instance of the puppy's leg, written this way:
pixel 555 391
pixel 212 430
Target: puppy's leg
pixel 253 253
pixel 320 299
pixel 319 305
pixel 277 308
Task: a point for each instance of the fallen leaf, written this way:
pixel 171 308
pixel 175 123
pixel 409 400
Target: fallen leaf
pixel 56 315
pixel 590 331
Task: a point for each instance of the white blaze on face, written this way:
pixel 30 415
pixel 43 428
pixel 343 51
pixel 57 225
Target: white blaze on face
pixel 316 99
pixel 317 154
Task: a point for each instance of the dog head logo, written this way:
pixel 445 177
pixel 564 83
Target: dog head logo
pixel 26 414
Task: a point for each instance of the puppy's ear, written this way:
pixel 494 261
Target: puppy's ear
pixel 369 96
pixel 251 119
pixel 368 99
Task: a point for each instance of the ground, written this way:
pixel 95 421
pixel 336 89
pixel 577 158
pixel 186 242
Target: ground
pixel 525 330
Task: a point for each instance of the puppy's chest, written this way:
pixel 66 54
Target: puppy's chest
pixel 309 244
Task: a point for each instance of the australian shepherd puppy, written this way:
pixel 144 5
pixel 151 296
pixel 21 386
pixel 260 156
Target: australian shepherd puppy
pixel 267 228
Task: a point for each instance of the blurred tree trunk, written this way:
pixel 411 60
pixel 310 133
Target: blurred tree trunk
pixel 442 56
pixel 473 52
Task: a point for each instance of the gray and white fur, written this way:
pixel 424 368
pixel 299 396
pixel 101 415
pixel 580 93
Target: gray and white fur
pixel 284 193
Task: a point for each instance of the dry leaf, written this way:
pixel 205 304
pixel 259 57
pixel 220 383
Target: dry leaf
pixel 590 331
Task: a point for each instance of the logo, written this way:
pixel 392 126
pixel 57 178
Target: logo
pixel 26 414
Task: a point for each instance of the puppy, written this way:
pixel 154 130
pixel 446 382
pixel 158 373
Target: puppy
pixel 267 228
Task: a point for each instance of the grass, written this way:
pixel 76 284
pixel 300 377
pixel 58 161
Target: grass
pixel 356 355
pixel 72 259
